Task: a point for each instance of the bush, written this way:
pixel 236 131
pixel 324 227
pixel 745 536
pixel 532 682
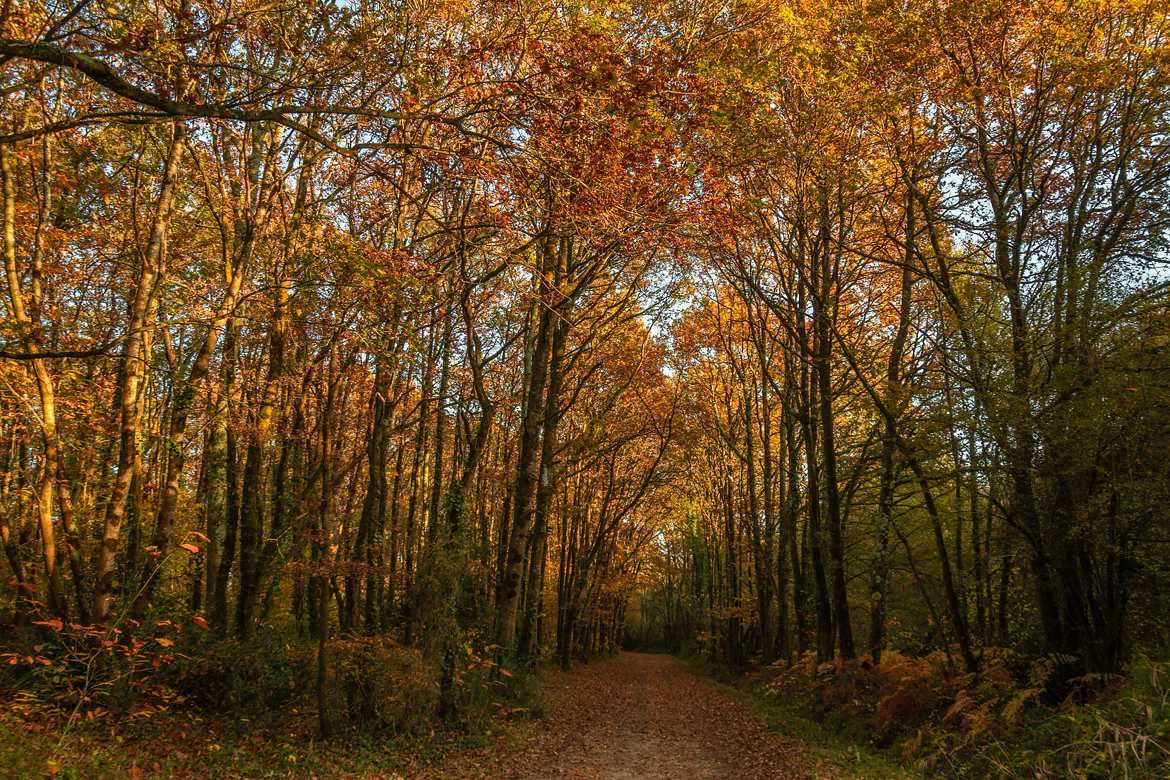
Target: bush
pixel 90 669
pixel 250 677
pixel 1124 731
pixel 488 683
pixel 385 686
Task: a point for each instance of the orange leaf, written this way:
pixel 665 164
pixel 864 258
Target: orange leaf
pixel 189 547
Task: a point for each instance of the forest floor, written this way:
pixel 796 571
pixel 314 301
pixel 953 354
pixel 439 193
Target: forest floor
pixel 634 715
pixel 645 717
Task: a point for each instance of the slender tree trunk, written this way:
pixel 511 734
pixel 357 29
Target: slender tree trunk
pixel 824 615
pixel 551 415
pixel 528 461
pixel 227 551
pixel 47 477
pixel 823 322
pixel 132 377
pixel 879 576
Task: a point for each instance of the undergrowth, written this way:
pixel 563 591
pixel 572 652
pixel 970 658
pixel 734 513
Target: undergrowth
pixel 157 699
pixel 1011 720
pixel 838 745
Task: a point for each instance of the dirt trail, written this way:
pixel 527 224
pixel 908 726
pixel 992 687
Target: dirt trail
pixel 639 716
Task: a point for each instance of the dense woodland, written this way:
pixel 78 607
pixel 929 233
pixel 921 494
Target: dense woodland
pixel 436 340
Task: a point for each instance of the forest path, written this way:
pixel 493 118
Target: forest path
pixel 639 716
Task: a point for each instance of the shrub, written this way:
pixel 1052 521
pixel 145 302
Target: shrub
pixel 489 683
pixel 250 677
pixel 385 686
pixel 90 669
pixel 1123 732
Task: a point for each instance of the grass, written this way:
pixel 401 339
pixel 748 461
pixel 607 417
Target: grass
pixel 839 748
pixel 833 746
pixel 183 745
pixel 1119 726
